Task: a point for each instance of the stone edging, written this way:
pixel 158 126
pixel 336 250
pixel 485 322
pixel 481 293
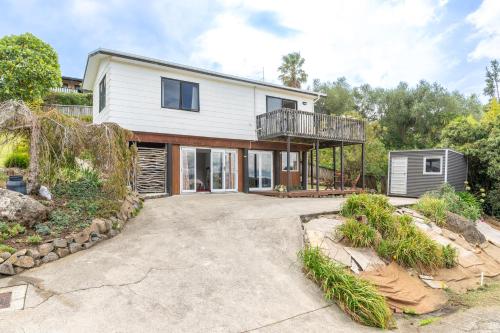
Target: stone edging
pixel 99 230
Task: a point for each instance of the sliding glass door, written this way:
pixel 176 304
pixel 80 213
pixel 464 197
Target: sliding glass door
pixel 188 169
pixel 224 170
pixel 260 170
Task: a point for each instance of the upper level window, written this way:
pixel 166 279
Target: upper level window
pixel 432 165
pixel 274 103
pixel 294 161
pixel 102 94
pixel 180 95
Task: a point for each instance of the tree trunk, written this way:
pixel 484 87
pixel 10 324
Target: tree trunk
pixel 33 184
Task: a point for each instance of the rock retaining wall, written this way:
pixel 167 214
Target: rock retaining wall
pixel 99 230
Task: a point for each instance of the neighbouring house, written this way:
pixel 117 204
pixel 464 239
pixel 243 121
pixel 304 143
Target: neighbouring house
pixel 202 131
pixel 411 173
pixel 70 85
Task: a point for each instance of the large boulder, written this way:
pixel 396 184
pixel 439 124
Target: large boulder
pixel 20 208
pixel 464 227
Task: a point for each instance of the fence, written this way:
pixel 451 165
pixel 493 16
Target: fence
pixel 71 110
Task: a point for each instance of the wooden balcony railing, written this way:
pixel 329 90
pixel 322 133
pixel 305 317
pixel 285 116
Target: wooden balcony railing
pixel 310 125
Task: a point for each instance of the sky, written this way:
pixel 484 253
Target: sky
pixel 378 42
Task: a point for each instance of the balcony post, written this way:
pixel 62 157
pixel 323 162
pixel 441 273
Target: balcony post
pixel 311 166
pixel 304 169
pixel 363 166
pixel 317 165
pixel 334 149
pixel 342 165
pixel 288 174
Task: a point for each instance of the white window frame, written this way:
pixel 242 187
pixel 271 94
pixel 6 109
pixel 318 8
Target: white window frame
pixel 283 160
pixel 440 165
pixel 269 153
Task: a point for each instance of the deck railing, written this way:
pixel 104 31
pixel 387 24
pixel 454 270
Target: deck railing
pixel 71 110
pixel 304 124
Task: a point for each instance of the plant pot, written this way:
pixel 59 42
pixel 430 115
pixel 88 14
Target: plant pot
pixel 17 184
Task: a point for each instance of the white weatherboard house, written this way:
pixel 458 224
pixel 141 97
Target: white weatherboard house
pixel 203 131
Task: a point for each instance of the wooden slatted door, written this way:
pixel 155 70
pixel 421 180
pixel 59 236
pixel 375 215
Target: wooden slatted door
pixel 151 177
pixel 399 173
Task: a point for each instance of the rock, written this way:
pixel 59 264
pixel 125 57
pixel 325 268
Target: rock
pixel 60 243
pixel 109 225
pixel 1 260
pixel 464 227
pixel 50 257
pixel 99 226
pixel 25 262
pixel 7 269
pixel 75 247
pixel 37 262
pixel 88 245
pixel 62 252
pixel 33 253
pixel 45 193
pixel 12 259
pixel 20 253
pixel 82 236
pixel 18 270
pixel 113 233
pixel 5 255
pixel 20 208
pixel 45 248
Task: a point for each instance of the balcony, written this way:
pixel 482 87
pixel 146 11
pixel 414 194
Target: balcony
pixel 306 126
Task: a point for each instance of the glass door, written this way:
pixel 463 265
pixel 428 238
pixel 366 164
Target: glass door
pixel 224 170
pixel 260 170
pixel 188 169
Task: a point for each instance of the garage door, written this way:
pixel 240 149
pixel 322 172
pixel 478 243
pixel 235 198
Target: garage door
pixel 399 167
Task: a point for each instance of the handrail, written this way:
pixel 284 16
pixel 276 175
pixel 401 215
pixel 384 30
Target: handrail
pixel 304 124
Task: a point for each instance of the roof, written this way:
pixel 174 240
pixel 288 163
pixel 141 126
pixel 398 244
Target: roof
pixel 417 150
pixel 69 78
pixel 93 58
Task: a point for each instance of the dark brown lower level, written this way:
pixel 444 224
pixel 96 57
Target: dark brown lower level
pixel 174 143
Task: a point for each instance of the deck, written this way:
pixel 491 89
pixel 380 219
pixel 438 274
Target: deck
pixel 307 193
pixel 309 126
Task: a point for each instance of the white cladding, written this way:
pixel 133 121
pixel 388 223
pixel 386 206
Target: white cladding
pixel 227 108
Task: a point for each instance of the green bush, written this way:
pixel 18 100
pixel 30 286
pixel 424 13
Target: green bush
pixel 461 203
pixel 433 208
pixel 12 230
pixel 409 246
pixel 7 248
pixel 355 296
pixel 17 160
pixel 358 234
pixel 34 239
pixel 42 229
pixel 450 256
pixel 68 98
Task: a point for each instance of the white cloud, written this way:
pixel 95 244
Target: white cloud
pixel 378 42
pixel 486 21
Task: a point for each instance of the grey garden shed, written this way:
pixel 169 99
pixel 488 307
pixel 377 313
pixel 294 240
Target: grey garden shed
pixel 411 173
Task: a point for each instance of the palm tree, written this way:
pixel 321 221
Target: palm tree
pixel 292 74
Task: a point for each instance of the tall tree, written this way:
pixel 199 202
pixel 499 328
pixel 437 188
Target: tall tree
pixel 492 80
pixel 291 72
pixel 29 67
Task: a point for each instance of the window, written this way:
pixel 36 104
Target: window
pixel 274 103
pixel 432 165
pixel 180 95
pixel 102 94
pixel 294 161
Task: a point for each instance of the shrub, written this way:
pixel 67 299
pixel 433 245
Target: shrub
pixel 34 239
pixel 68 98
pixel 449 256
pixel 355 296
pixel 17 160
pixel 409 246
pixel 42 229
pixel 433 208
pixel 358 234
pixel 9 231
pixel 7 248
pixel 463 204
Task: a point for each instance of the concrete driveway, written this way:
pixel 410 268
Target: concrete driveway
pixel 198 263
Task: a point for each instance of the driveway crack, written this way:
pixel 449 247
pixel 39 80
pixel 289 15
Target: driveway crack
pixel 285 319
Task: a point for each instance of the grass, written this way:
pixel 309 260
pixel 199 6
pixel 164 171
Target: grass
pixel 489 294
pixel 401 240
pixel 450 256
pixel 433 208
pixel 357 297
pixel 428 321
pixel 34 239
pixel 358 234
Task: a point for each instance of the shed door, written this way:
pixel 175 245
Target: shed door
pixel 399 167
